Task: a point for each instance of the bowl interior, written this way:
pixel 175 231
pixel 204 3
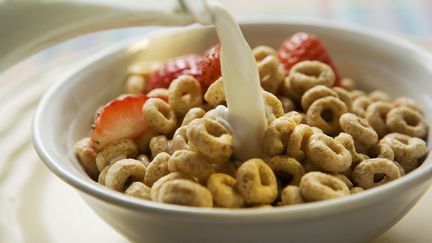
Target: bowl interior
pixel 66 112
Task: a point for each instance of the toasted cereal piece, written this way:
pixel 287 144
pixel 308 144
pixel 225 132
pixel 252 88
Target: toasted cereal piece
pixel 122 171
pixel 144 159
pixel 160 144
pixel 190 163
pixel 287 104
pixel 407 102
pixel 315 93
pixel 261 52
pixel 225 194
pixel 143 141
pixel 367 173
pixel 262 206
pixel 297 117
pixel 271 73
pixel 345 96
pixel 343 178
pixel 288 91
pixel 135 84
pixel 359 129
pixel 407 121
pixel 287 170
pixel 276 136
pixel 184 93
pixel 86 155
pixel 378 95
pixel 180 140
pixel 405 148
pixel 211 139
pixel 117 150
pixel 328 154
pixel 298 141
pixel 360 105
pixel 159 115
pixel 256 182
pixel 382 150
pixel 102 175
pixel 192 114
pixel 307 74
pixel 143 68
pixel 376 115
pixel 324 113
pixel 356 94
pixel 291 195
pixel 348 142
pixel 356 190
pixel 273 106
pixel 318 186
pixel 157 168
pixel 139 190
pixel 347 84
pixel 159 93
pixel 154 192
pixel 186 193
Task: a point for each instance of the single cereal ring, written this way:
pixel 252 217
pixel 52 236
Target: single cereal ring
pixel 215 94
pixel 381 150
pixel 86 155
pixel 318 186
pixel 378 95
pixel 157 168
pixel 102 175
pixel 222 188
pixel 296 117
pixel 190 163
pixel 376 115
pixel 271 73
pixel 288 90
pixel 122 171
pixel 143 68
pixel 307 74
pixel 180 139
pixel 328 154
pixel 357 93
pixel 345 96
pixel 211 139
pixel 184 93
pixel 407 102
pixel 273 106
pixel 276 136
pixel 365 174
pixel 405 148
pixel 159 115
pixel 356 189
pixel 298 140
pixel 192 114
pixel 186 193
pixel 159 93
pixel 261 52
pixel 135 84
pixel 288 171
pixel 359 129
pixel 117 150
pixel 407 121
pixel 256 182
pixel 347 84
pixel 291 195
pixel 287 104
pixel 143 141
pixel 343 178
pixel 324 113
pixel 315 93
pixel 348 142
pixel 139 190
pixel 160 144
pixel 154 192
pixel 360 105
pixel 408 165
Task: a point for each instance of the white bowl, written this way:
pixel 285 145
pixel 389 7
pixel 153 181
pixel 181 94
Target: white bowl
pixel 374 60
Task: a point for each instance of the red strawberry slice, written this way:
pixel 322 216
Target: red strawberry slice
pixel 164 74
pixel 120 118
pixel 210 67
pixel 303 46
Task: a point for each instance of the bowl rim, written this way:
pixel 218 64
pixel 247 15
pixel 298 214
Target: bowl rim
pixel 417 176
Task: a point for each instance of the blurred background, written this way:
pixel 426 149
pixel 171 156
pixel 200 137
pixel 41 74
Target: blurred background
pixel 37 207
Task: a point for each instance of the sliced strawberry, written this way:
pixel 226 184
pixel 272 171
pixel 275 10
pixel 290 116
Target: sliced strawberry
pixel 164 74
pixel 210 67
pixel 120 118
pixel 303 46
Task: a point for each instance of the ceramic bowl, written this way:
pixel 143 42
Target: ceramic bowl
pixel 373 59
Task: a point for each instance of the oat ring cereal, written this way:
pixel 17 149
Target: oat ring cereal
pixel 154 192
pixel 159 115
pixel 159 144
pixel 223 189
pixel 157 168
pixel 122 171
pixel 405 148
pixel 307 74
pixel 324 113
pixel 407 121
pixel 407 102
pixel 120 149
pixel 317 186
pixel 180 140
pixel 345 96
pixel 359 129
pixel 211 139
pixel 256 182
pixel 139 190
pixel 298 141
pixel 276 136
pixel 215 94
pixel 348 142
pixel 316 93
pixel 192 114
pixel 271 73
pixel 374 172
pixel 295 116
pixel 273 106
pixel 190 163
pixel 287 170
pixel 184 93
pixel 360 105
pixel 291 195
pixel 185 192
pixel 376 115
pixel 328 154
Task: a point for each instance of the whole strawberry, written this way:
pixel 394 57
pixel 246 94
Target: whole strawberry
pixel 303 46
pixel 210 67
